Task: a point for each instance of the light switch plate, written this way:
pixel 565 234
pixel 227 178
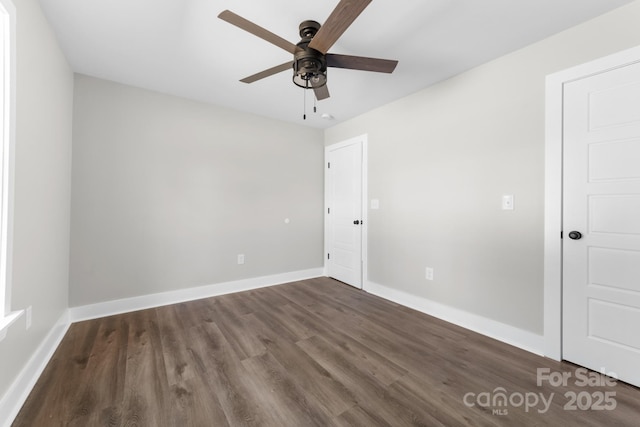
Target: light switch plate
pixel 375 204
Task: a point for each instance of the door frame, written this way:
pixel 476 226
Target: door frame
pixel 365 217
pixel 554 187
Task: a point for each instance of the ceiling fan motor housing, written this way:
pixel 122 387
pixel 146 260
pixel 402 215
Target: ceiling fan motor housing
pixel 309 65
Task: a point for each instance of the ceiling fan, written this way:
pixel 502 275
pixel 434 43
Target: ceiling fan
pixel 310 55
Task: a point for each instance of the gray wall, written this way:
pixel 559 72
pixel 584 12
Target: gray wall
pixel 167 192
pixel 42 188
pixel 440 160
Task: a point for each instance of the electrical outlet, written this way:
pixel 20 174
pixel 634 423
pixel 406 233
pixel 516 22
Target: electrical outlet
pixel 240 258
pixel 28 316
pixel 429 273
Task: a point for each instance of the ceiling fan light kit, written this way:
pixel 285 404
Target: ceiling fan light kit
pixel 310 56
pixel 309 65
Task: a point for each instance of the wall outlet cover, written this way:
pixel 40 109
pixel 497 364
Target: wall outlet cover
pixel 28 314
pixel 429 273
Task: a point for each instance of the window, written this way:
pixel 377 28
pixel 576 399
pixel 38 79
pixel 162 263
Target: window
pixel 7 142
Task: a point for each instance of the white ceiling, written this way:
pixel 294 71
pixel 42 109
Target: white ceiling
pixel 180 47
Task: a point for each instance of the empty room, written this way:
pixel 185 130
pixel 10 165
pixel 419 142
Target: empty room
pixel 336 213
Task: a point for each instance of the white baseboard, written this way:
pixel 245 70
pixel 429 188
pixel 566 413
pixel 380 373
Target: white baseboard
pixel 500 331
pixel 19 390
pixel 108 308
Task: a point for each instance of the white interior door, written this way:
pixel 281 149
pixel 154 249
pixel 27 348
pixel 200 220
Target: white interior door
pixel 601 269
pixel 344 212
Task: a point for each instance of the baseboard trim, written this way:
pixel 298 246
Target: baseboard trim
pixel 19 390
pixel 108 308
pixel 17 394
pixel 500 331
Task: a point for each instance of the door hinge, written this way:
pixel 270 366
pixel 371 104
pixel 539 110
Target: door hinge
pixel 328 210
pixel 329 165
pixel 561 235
pixel 328 256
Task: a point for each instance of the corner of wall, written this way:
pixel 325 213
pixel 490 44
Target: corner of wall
pixel 19 390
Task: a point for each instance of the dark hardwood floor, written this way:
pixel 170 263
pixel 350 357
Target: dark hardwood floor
pixel 311 353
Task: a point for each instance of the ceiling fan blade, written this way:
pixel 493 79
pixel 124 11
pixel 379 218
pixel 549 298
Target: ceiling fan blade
pixel 337 23
pixel 266 73
pixel 257 30
pixel 321 92
pixel 361 63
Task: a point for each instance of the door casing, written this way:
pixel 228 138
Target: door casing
pixel 553 189
pixel 359 139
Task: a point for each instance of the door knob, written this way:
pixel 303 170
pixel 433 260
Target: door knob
pixel 356 222
pixel 575 235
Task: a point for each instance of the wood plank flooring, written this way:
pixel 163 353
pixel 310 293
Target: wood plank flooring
pixel 310 353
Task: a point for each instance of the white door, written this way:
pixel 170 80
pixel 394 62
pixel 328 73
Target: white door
pixel 344 212
pixel 601 268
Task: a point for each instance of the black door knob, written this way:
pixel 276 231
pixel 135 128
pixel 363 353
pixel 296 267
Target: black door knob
pixel 356 222
pixel 575 235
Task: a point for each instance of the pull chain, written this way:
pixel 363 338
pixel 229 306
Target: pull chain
pixel 304 116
